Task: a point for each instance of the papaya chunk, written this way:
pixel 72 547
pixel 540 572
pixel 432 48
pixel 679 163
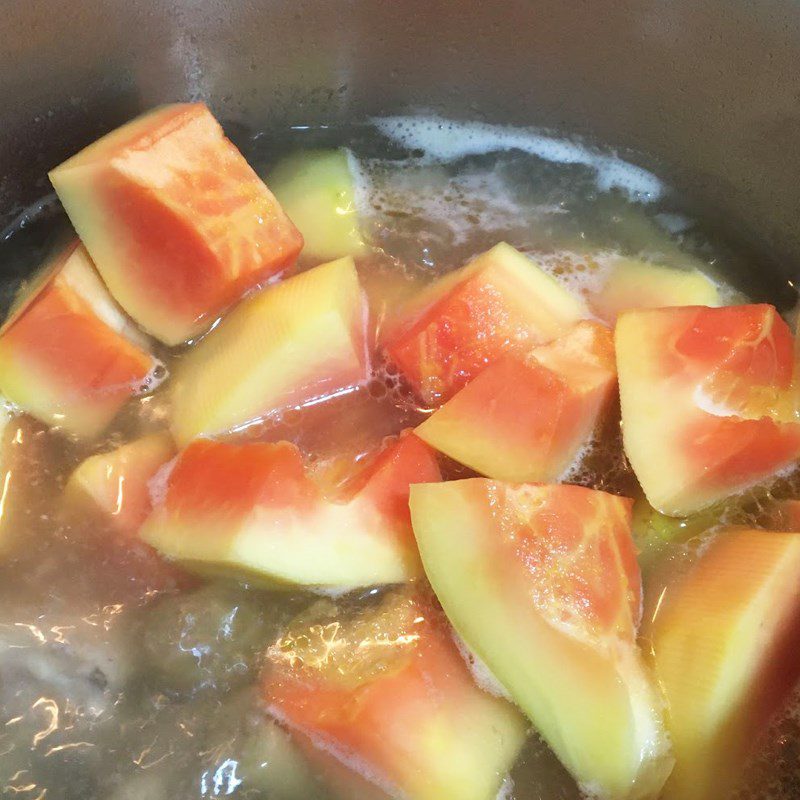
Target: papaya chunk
pixel 299 340
pixel 699 387
pixel 542 584
pixel 387 692
pixel 24 485
pixel 500 304
pixel 640 284
pixel 177 222
pixel 116 483
pixel 317 189
pixel 723 640
pixel 68 356
pixel 526 420
pixel 252 511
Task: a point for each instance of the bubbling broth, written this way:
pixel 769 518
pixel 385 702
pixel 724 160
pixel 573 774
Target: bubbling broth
pixel 123 677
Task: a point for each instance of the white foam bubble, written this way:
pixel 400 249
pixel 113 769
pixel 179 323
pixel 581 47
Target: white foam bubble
pixel 573 471
pixel 506 790
pixel 157 485
pixel 706 403
pixel 422 211
pixel 333 592
pixel 481 674
pixel 360 181
pixel 728 295
pixel 442 139
pixel 586 274
pixel 7 411
pixel 581 273
pixel 591 791
pixel 476 201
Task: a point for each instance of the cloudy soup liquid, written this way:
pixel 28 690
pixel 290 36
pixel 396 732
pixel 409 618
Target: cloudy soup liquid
pixel 120 677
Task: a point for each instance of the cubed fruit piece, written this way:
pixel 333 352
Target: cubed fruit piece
pixel 116 484
pixel 386 691
pixel 384 481
pixel 691 380
pixel 299 340
pixel 317 189
pixel 177 222
pixel 251 511
pixel 542 584
pixel 639 284
pixel 724 646
pixel 499 304
pixel 67 354
pixel 525 420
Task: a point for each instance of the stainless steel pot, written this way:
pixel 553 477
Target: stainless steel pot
pixel 706 89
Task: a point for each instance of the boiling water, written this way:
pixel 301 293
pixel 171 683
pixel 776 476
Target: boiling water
pixel 121 678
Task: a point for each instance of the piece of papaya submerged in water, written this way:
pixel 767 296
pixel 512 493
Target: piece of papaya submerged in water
pixel 116 484
pixel 68 355
pixel 501 303
pixel 526 419
pixel 252 511
pixel 385 690
pixel 700 389
pixel 178 223
pixel 298 340
pixel 317 189
pixel 25 484
pixel 724 647
pixel 640 284
pixel 542 584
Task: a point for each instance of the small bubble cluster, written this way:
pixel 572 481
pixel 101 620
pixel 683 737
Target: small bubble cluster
pixel 581 273
pixel 774 771
pixel 157 375
pixel 601 463
pixel 157 485
pixel 386 382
